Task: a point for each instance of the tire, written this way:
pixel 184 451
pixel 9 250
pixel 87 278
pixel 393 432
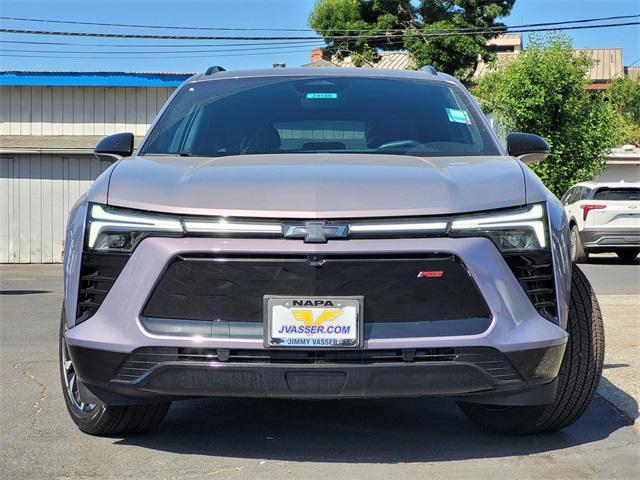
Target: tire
pixel 577 381
pixel 578 254
pixel 627 254
pixel 100 419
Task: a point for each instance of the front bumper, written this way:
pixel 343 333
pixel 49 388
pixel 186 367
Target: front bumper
pixel 594 239
pixel 517 333
pixel 472 374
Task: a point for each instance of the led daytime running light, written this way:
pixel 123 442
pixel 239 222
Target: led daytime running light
pixel 104 220
pixel 533 218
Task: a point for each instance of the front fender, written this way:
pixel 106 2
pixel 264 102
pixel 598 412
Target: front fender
pixel 73 246
pixel 561 252
pixel 74 240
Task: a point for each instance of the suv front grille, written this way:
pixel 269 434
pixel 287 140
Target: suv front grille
pixel 144 360
pixel 232 289
pixel 534 272
pixel 98 273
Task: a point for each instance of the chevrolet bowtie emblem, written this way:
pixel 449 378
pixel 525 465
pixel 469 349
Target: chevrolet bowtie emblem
pixel 316 232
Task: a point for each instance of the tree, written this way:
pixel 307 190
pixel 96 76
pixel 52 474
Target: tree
pixel 415 26
pixel 544 91
pixel 624 96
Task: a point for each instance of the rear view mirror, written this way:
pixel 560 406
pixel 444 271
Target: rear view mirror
pixel 114 147
pixel 527 147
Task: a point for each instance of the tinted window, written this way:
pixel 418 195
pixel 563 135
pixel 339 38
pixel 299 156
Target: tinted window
pixel 572 195
pixel 617 194
pixel 329 114
pixel 584 193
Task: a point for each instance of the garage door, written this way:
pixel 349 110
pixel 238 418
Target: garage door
pixel 36 193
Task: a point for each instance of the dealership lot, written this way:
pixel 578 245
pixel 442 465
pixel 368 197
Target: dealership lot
pixel 232 438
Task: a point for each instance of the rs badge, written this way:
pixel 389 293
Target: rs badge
pixel 431 274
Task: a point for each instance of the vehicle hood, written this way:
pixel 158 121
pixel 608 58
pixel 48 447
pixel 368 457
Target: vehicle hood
pixel 317 185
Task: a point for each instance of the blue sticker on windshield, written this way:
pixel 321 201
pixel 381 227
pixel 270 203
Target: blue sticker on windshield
pixel 458 116
pixel 322 95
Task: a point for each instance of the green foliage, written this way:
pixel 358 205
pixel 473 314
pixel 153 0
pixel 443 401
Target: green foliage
pixel 457 55
pixel 544 92
pixel 624 96
pixel 630 132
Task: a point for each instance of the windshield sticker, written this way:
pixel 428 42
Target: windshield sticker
pixel 322 95
pixel 458 116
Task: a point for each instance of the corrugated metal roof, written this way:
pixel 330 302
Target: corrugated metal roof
pixel 322 63
pixel 502 58
pixel 401 60
pixel 92 79
pixel 513 40
pixel 388 60
pixel 632 72
pixel 607 63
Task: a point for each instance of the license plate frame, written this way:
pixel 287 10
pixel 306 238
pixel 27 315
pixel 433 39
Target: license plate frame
pixel 355 302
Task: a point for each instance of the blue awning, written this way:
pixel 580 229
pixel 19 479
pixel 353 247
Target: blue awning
pixel 92 79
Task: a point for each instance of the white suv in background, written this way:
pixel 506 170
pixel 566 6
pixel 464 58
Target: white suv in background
pixel 604 217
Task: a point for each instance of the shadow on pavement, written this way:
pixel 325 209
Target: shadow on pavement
pixel 374 431
pixel 621 400
pixel 608 366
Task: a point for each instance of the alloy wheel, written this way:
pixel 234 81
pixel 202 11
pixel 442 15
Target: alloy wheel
pixel 71 379
pixel 574 245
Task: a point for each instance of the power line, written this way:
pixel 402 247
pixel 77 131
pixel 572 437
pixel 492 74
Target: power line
pixel 135 52
pixel 167 27
pixel 262 29
pixel 157 56
pixel 336 37
pixel 507 30
pixel 128 45
pixel 139 36
pixel 546 24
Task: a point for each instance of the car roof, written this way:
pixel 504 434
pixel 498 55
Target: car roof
pixel 620 184
pixel 324 72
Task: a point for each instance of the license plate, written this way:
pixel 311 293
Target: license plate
pixel 313 322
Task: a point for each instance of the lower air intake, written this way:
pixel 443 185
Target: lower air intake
pixel 98 273
pixel 144 360
pixel 534 272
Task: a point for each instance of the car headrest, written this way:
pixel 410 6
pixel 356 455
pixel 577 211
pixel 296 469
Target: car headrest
pixel 267 140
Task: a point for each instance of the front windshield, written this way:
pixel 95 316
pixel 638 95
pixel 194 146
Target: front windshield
pixel 317 115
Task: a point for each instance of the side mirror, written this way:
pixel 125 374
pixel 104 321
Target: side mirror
pixel 527 147
pixel 114 147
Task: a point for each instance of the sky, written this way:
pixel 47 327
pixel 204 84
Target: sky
pixel 246 14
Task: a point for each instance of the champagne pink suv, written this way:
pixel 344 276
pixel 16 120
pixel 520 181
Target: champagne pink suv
pixel 324 234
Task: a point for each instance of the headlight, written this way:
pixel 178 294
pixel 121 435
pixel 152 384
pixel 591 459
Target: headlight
pixel 116 229
pixel 521 229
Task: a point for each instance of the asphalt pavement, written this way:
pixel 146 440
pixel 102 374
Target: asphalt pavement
pixel 243 438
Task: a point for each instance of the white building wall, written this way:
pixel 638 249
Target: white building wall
pixel 79 110
pixel 38 190
pixel 618 172
pixel 36 193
